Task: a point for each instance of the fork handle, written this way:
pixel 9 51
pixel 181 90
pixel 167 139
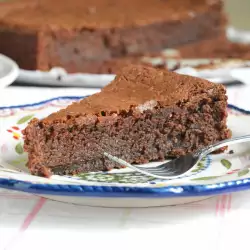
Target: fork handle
pixel 224 143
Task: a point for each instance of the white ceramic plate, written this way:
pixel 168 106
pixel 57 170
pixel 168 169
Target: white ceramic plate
pixel 120 188
pixel 8 71
pixel 220 73
pixel 242 74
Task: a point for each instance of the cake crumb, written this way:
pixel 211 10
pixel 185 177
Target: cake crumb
pixel 92 10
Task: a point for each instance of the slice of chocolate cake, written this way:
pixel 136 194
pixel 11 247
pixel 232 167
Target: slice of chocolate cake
pixel 145 114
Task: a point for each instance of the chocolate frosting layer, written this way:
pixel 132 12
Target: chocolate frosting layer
pixel 137 85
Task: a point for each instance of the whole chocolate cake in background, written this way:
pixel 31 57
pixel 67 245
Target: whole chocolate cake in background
pixel 101 36
pixel 144 114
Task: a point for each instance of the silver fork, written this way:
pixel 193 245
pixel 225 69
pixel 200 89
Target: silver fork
pixel 181 165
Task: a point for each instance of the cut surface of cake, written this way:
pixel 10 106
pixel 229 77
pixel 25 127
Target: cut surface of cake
pixel 144 114
pixel 79 35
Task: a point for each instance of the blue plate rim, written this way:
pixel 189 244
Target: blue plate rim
pixel 121 191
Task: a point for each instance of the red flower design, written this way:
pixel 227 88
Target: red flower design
pixel 14 132
pixel 233 171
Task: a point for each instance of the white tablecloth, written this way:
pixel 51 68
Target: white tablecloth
pixel 30 222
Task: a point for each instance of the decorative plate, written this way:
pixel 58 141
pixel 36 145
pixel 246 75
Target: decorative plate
pixel 8 71
pixel 216 174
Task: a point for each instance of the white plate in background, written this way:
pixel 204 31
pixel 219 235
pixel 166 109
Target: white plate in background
pixel 59 77
pixel 242 74
pixel 9 71
pixel 219 72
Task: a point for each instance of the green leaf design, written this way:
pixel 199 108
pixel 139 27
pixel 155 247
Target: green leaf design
pixel 24 119
pixel 19 161
pixel 116 178
pixel 19 148
pixel 226 163
pixel 205 178
pixel 200 165
pixel 243 172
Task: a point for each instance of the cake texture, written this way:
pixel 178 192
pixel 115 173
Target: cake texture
pixel 81 35
pixel 144 114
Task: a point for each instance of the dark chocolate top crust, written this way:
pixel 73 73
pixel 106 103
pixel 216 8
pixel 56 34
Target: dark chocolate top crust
pixel 92 14
pixel 141 85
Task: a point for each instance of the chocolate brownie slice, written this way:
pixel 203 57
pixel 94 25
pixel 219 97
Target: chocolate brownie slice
pixel 144 114
pixel 80 35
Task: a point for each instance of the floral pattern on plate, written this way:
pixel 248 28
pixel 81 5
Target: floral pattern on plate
pixel 212 169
